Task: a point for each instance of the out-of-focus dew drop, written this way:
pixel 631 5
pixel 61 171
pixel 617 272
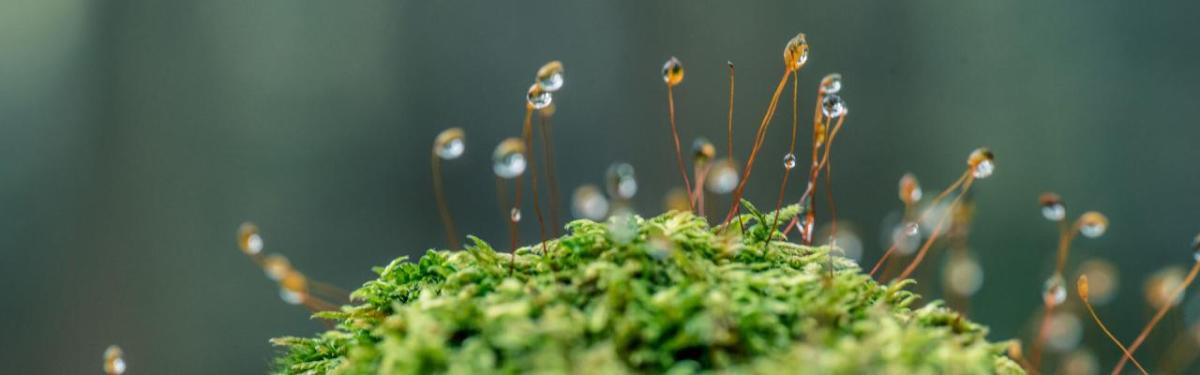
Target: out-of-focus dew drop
pixel 450 144
pixel 1054 290
pixel 722 177
pixel 1064 331
pixel 538 98
pixel 981 162
pixel 962 275
pixel 508 161
pixel 1159 286
pixel 906 237
pixel 832 106
pixel 550 76
pixel 831 84
pixel 588 202
pixel 1093 224
pixel 676 199
pixel 672 71
pixel 789 161
pixel 932 214
pixel 910 189
pixel 276 266
pixel 703 150
pixel 114 360
pixel 1052 207
pixel 249 241
pixel 515 215
pixel 293 287
pixel 659 246
pixel 1080 362
pixel 846 241
pixel 622 227
pixel 1103 278
pixel 621 181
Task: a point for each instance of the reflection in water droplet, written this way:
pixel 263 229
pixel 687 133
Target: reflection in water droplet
pixel 550 76
pixel 789 161
pixel 1093 224
pixel 672 71
pixel 508 161
pixel 114 360
pixel 537 97
pixel 450 144
pixel 515 215
pixel 589 203
pixel 963 275
pixel 833 106
pixel 622 227
pixel 248 239
pixel 980 162
pixel 910 189
pixel 831 84
pixel 722 177
pixel 293 288
pixel 276 266
pixel 1052 206
pixel 795 53
pixel 703 150
pixel 1054 291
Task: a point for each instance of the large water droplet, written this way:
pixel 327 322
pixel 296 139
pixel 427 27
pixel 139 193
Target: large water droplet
pixel 537 97
pixel 795 54
pixel 1093 224
pixel 831 84
pixel 672 71
pixel 1102 280
pixel 248 239
pixel 789 161
pixel 620 180
pixel 833 106
pixel 1065 331
pixel 450 144
pixel 963 275
pixel 508 161
pixel 550 76
pixel 722 177
pixel 589 203
pixel 1054 291
pixel 1161 285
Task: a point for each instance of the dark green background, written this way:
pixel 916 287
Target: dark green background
pixel 136 135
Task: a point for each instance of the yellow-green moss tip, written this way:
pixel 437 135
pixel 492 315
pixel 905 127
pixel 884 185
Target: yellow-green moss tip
pixel 679 297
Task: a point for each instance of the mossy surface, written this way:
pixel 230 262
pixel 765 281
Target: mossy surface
pixel 667 294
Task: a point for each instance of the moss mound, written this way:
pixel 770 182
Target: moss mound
pixel 667 294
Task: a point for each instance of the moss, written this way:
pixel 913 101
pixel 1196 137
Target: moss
pixel 667 294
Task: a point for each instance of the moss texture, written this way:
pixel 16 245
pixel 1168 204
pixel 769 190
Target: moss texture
pixel 667 294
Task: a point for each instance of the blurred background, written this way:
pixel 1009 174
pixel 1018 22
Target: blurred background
pixel 136 135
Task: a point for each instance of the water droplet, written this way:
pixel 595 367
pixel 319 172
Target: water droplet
pixel 248 239
pixel 906 238
pixel 1160 286
pixel 795 54
pixel 537 97
pixel 833 106
pixel 1065 331
pixel 672 72
pixel 550 76
pixel 1080 362
pixel 622 227
pixel 1093 224
pixel 910 189
pixel 831 84
pixel 276 266
pixel 722 177
pixel 114 360
pixel 789 161
pixel 980 162
pixel 621 182
pixel 703 150
pixel 912 228
pixel 846 241
pixel 1054 292
pixel 293 288
pixel 589 203
pixel 515 215
pixel 450 144
pixel 677 199
pixel 508 161
pixel 963 275
pixel 659 247
pixel 1102 280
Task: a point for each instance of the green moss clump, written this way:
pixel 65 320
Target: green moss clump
pixel 667 294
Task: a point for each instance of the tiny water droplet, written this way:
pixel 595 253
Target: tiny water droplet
pixel 833 106
pixel 703 150
pixel 789 161
pixel 450 144
pixel 537 97
pixel 508 161
pixel 589 203
pixel 1054 292
pixel 795 54
pixel 248 239
pixel 114 360
pixel 722 177
pixel 1093 224
pixel 621 182
pixel 550 76
pixel 831 84
pixel 910 189
pixel 963 275
pixel 980 162
pixel 672 71
pixel 276 266
pixel 515 215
